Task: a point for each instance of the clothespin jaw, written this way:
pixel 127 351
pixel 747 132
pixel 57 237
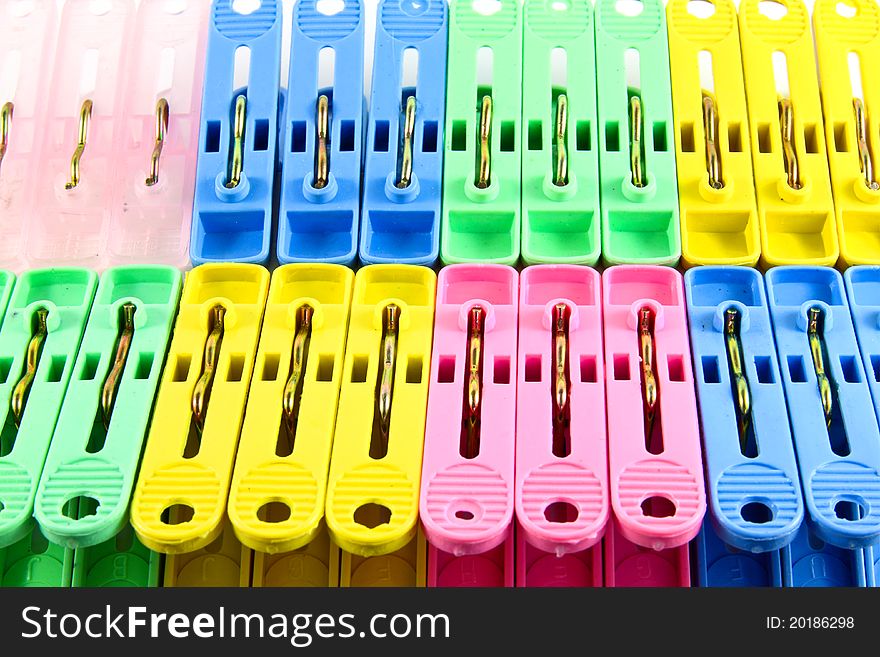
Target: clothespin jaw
pixel 719 216
pixel 33 561
pixel 792 186
pixel 102 423
pixel 232 211
pixel 316 564
pixel 24 44
pixel 636 153
pixel 809 561
pixel 560 195
pixel 321 159
pixel 835 430
pixel 41 331
pixel 180 498
pixel 657 491
pixel 154 178
pixel 403 160
pixel 277 499
pixel 471 426
pixel 537 568
pixel 628 564
pixel 561 491
pixel 119 561
pixel 851 107
pixel 73 189
pixel 405 567
pixel 719 564
pixel 482 162
pixel 754 489
pixel 223 562
pixel 372 490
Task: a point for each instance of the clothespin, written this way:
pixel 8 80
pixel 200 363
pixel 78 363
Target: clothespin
pixel 120 561
pixel 26 48
pixel 158 146
pixel 40 335
pixel 561 491
pixel 720 564
pixel 98 439
pixel 467 496
pixel 403 161
pixel 316 564
pixel 628 564
pixel 321 155
pixel 73 187
pixel 809 561
pixel 373 487
pixel 719 215
pixel 795 208
pixel 276 503
pixel 847 46
pixel 560 164
pixel 33 561
pixel 636 153
pixel 232 212
pixel 537 568
pixel 835 430
pixel 405 567
pixel 481 185
pixel 223 562
pixel 179 502
pixel 654 455
pixel 755 496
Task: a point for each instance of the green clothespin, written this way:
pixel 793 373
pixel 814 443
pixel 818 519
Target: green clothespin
pixel 103 421
pixel 35 562
pixel 41 332
pixel 560 165
pixel 637 153
pixel 121 561
pixel 481 183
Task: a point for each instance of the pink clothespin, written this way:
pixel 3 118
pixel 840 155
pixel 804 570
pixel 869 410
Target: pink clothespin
pixel 73 184
pixel 629 565
pixel 27 39
pixel 561 451
pixel 157 150
pixel 655 462
pixel 466 503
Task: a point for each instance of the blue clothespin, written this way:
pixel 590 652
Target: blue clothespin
pixel 755 497
pixel 719 564
pixel 321 163
pixel 232 213
pixel 403 165
pixel 809 561
pixel 835 431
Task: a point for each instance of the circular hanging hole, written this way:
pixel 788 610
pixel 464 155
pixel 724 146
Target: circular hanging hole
pixel 846 10
pixel 658 506
pixel 372 515
pixel 330 7
pixel 561 512
pixel 81 506
pixel 463 514
pixel 701 8
pixel 487 7
pixel 178 514
pixel 273 512
pixel 850 510
pixel 245 7
pixel 559 5
pixel 629 7
pixel 757 513
pixel 773 10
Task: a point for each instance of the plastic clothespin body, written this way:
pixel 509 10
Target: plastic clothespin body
pixel 716 192
pixel 33 561
pixel 321 155
pixel 809 561
pixel 223 562
pixel 90 458
pixel 846 46
pixel 232 211
pixel 405 567
pixel 639 211
pixel 467 496
pixel 833 423
pixel 628 564
pixel 376 460
pixel 41 333
pixel 655 461
pixel 316 564
pixel 481 185
pixel 26 46
pixel 795 208
pixel 561 492
pixel 151 217
pixel 120 561
pixel 400 221
pixel 560 164
pixel 720 565
pixel 179 503
pixel 72 197
pixel 284 454
pixel 754 491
